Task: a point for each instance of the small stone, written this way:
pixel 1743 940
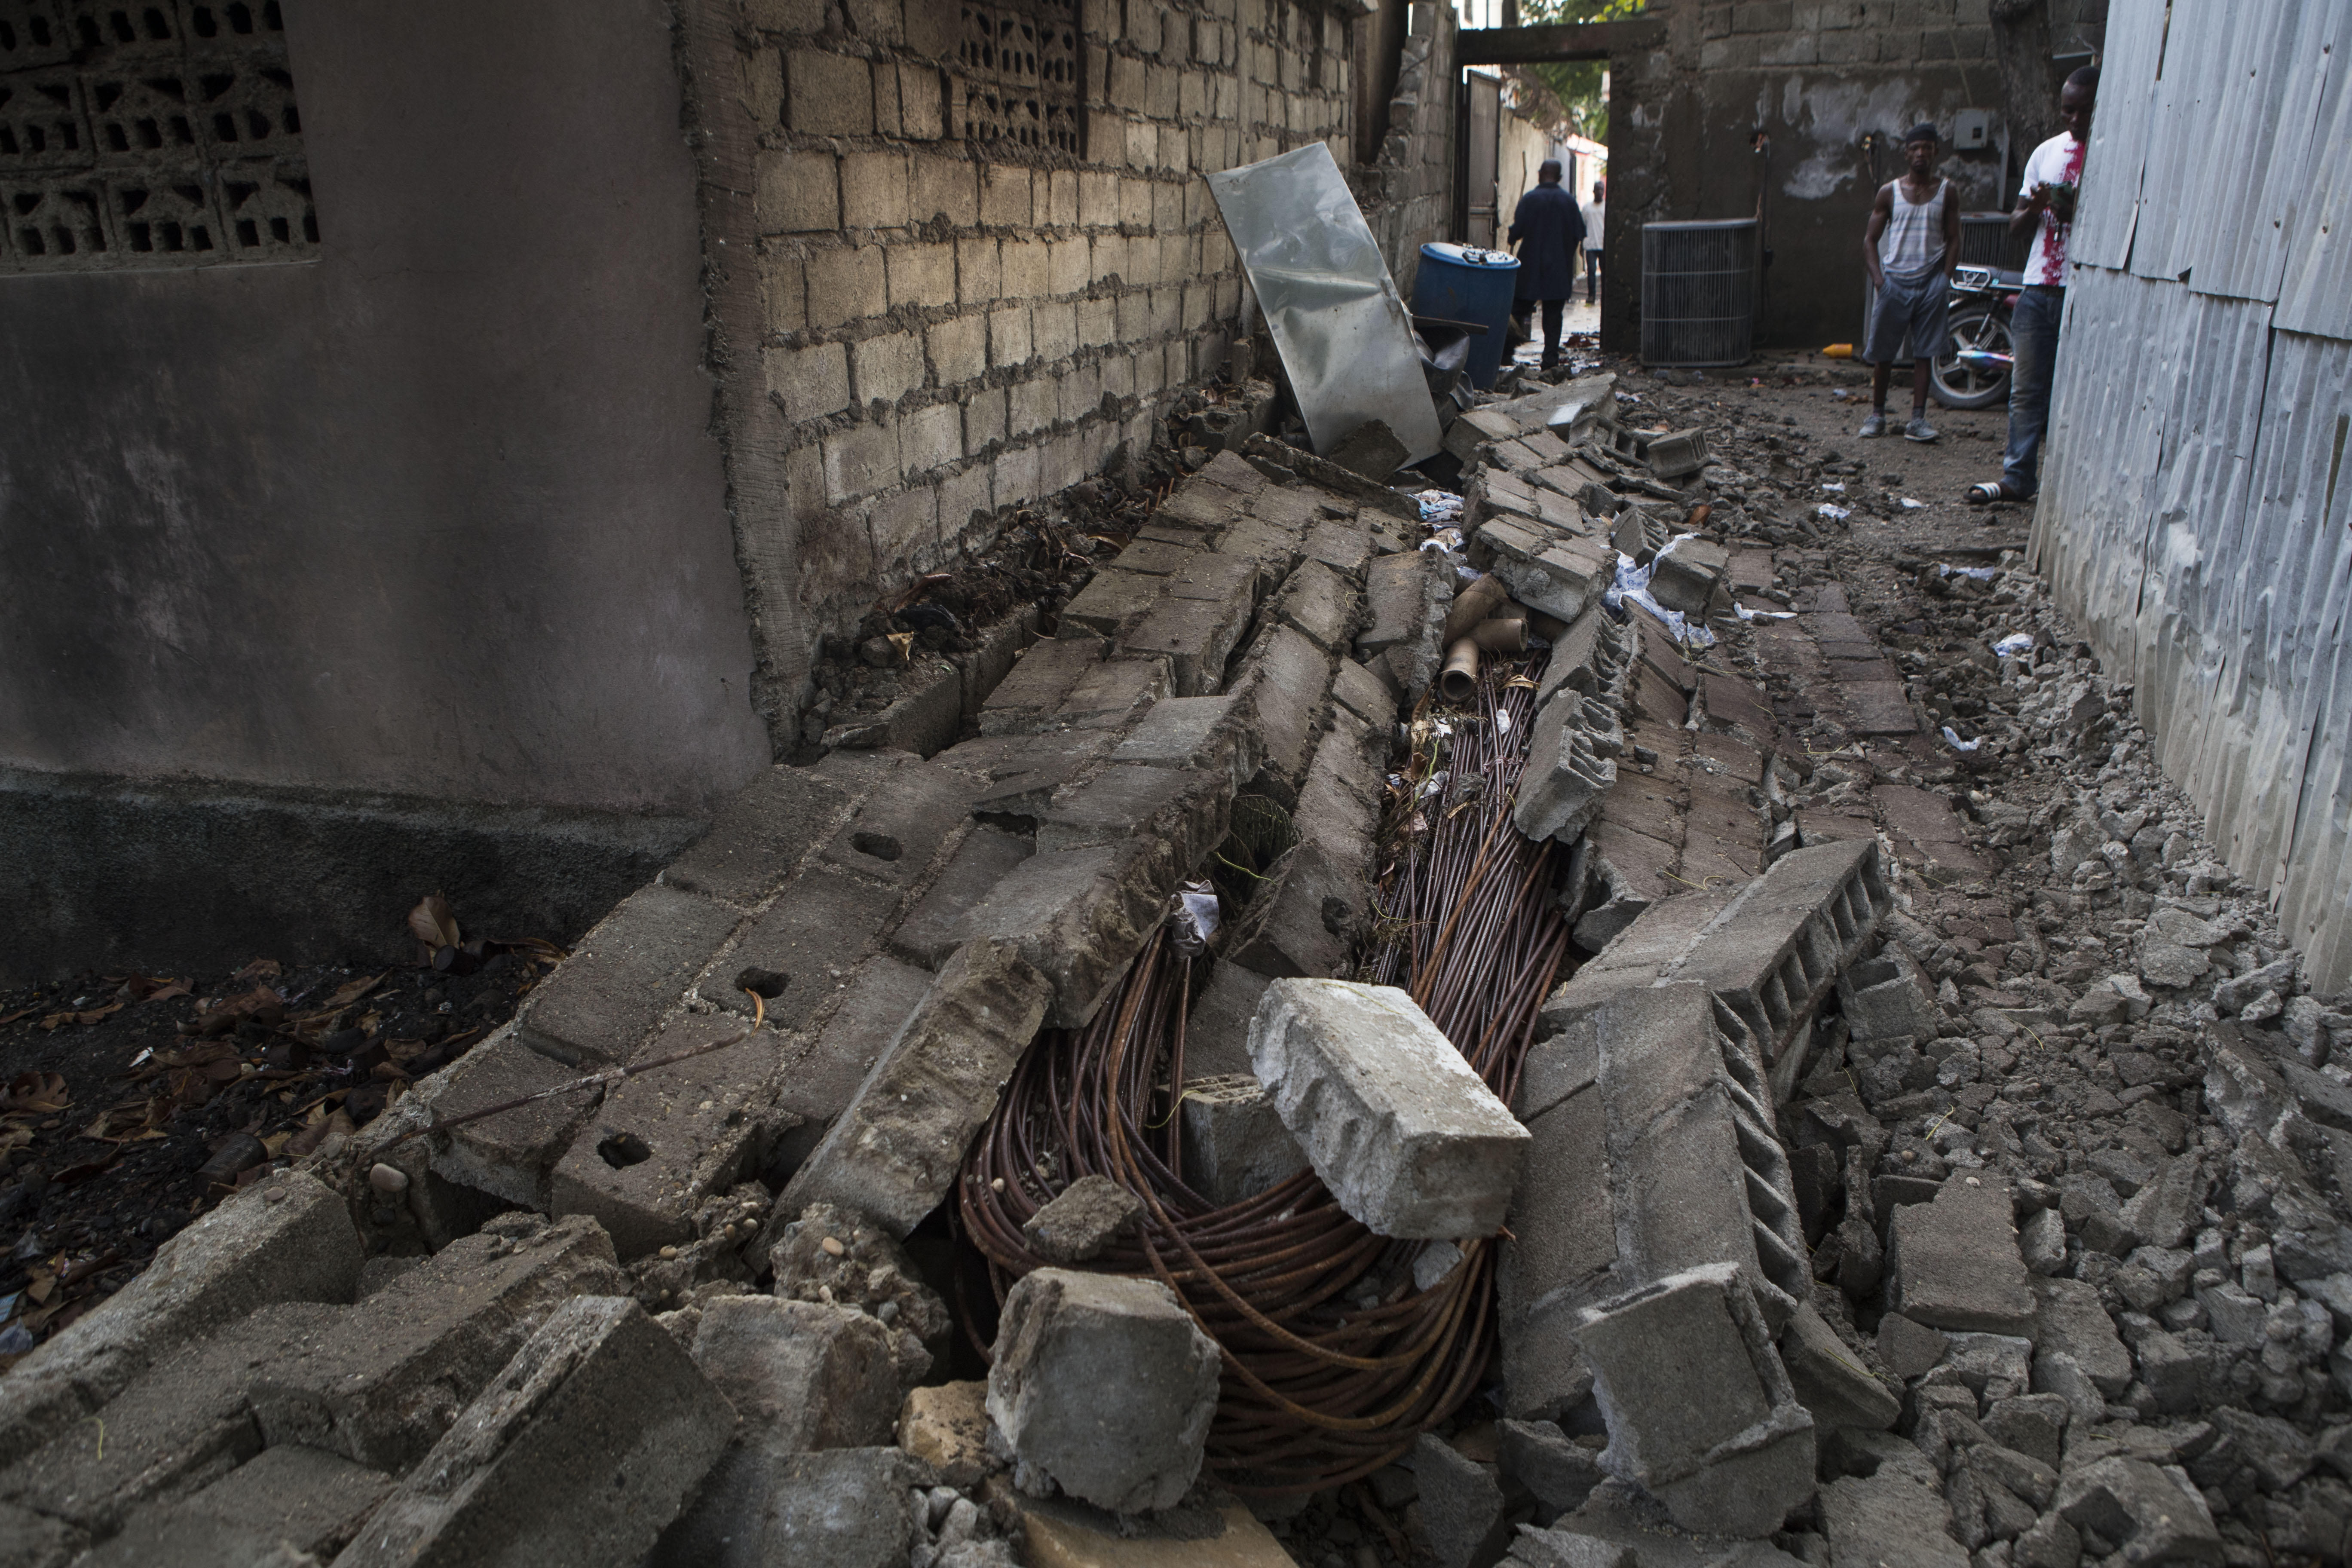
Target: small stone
pixel 386 1178
pixel 1083 1219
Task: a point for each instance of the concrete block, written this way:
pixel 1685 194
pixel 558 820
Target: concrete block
pixel 1321 604
pixel 894 1153
pixel 759 835
pixel 808 382
pixel 899 829
pixel 945 1426
pixel 1082 1220
pixel 1688 575
pixel 828 94
pixel 1699 1408
pixel 1184 810
pixel 1556 575
pixel 1207 733
pixel 1301 924
pixel 928 934
pixel 1111 694
pixel 1105 1386
pixel 1236 1146
pixel 924 721
pixel 814 936
pixel 508 1155
pixel 172 1535
pixel 1461 1503
pixel 802 1375
pixel 1284 676
pixel 1408 1140
pixel 178 1427
pixel 817 1085
pixel 1078 917
pixel 1109 600
pixel 666 1139
pixel 1217 1027
pixel 1887 995
pixel 797 192
pixel 2154 1515
pixel 2070 1318
pixel 308 1499
pixel 1037 685
pixel 1196 635
pixel 844 1508
pixel 1566 775
pixel 1830 1379
pixel 604 999
pixel 600 1390
pixel 1953 1264
pixel 288 1238
pixel 1885 1516
pixel 383 1384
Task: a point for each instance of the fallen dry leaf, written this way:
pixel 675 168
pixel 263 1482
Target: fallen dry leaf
pixel 351 990
pixel 432 923
pixel 37 1094
pixel 258 968
pixel 59 1020
pixel 19 1013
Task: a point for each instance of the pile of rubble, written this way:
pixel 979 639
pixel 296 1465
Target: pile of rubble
pixel 1912 1164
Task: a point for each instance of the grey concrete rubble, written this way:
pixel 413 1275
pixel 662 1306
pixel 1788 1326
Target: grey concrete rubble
pixel 1103 1387
pixel 1406 1136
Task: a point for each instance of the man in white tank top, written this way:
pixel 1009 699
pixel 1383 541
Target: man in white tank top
pixel 1911 243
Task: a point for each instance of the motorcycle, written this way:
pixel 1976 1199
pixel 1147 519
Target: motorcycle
pixel 1973 371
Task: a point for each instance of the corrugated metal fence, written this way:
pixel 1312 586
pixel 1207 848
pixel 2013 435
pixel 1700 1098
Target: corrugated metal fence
pixel 2195 514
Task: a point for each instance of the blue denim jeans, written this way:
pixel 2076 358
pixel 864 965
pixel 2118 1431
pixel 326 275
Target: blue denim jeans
pixel 2033 339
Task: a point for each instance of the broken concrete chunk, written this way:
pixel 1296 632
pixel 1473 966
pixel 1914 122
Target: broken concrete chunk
pixel 894 1153
pixel 2070 1320
pixel 1077 918
pixel 1301 920
pixel 843 1508
pixel 1410 1141
pixel 1559 1471
pixel 1954 1264
pixel 600 1390
pixel 946 1426
pixel 808 1374
pixel 288 1238
pixel 1082 1220
pixel 834 1256
pixel 1567 770
pixel 1688 577
pixel 311 1500
pixel 1699 1408
pixel 382 1386
pixel 1104 1387
pixel 2152 1515
pixel 1830 1378
pixel 603 1001
pixel 508 1155
pixel 664 1141
pixel 1236 1146
pixel 1217 1031
pixel 1461 1501
pixel 1886 1519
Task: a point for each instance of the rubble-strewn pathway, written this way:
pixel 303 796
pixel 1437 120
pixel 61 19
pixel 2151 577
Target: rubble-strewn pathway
pixel 1928 1154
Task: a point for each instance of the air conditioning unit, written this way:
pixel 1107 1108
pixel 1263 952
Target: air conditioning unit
pixel 1698 292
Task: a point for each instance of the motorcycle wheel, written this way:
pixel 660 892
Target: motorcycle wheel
pixel 1960 385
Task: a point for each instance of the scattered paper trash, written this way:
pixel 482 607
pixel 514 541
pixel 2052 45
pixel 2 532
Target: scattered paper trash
pixel 1834 514
pixel 1439 506
pixel 1745 614
pixel 1982 574
pixel 1952 740
pixel 1632 585
pixel 1910 505
pixel 1837 485
pixel 2016 644
pixel 1192 918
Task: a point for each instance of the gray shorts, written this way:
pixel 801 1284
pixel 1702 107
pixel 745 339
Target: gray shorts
pixel 1913 309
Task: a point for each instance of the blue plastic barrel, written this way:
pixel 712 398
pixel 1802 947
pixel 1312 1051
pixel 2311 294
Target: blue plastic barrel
pixel 1464 283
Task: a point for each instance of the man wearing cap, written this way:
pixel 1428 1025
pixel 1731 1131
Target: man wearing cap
pixel 1548 231
pixel 1910 245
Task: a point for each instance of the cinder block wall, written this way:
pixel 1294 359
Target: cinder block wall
pixel 984 264
pixel 1831 85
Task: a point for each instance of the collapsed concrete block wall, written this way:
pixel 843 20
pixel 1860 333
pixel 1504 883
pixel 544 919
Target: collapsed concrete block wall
pixel 1795 114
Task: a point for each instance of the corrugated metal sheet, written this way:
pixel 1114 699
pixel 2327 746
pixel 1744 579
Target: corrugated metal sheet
pixel 2316 293
pixel 2269 107
pixel 2188 526
pixel 2180 148
pixel 2119 132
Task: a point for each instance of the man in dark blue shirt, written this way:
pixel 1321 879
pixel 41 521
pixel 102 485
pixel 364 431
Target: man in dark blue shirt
pixel 1550 231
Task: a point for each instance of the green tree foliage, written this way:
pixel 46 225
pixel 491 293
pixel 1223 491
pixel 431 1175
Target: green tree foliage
pixel 1576 84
